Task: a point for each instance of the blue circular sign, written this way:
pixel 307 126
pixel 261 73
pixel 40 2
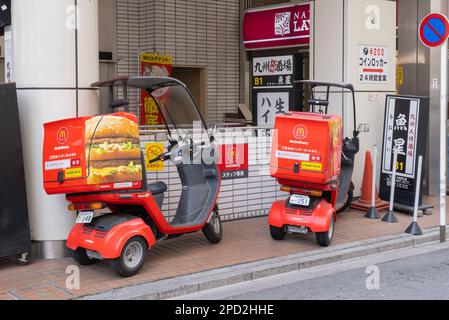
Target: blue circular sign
pixel 434 30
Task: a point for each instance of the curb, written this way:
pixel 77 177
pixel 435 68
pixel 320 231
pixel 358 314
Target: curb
pixel 212 279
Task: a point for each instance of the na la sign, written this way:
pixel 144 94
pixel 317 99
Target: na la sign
pixel 285 26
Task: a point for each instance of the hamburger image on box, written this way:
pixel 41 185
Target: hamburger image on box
pixel 92 154
pixel 112 150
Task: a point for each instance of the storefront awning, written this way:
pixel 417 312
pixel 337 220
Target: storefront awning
pixel 285 26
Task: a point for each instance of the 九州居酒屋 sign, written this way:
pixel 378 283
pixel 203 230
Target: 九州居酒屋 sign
pixel 287 26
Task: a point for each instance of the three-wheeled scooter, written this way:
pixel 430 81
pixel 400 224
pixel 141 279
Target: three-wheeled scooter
pixel 312 162
pixel 135 221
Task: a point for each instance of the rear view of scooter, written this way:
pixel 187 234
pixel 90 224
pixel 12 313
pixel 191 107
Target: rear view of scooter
pixel 97 162
pixel 314 164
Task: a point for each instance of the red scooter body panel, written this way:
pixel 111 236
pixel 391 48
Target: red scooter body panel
pixel 109 244
pixel 144 199
pixel 317 219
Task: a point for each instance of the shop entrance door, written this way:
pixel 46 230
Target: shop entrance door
pixel 195 79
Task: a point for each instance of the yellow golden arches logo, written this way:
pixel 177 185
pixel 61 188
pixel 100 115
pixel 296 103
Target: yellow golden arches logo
pixel 300 132
pixel 63 135
pixel 233 156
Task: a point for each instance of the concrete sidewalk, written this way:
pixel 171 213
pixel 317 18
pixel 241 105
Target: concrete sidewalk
pixel 244 241
pixel 203 281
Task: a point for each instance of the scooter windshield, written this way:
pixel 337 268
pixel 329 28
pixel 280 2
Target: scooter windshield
pixel 178 109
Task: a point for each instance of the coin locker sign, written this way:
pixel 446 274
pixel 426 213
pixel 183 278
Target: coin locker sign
pixel 406 123
pixel 373 64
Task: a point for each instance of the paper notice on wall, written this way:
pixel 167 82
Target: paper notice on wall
pixel 373 64
pixel 8 54
pixel 269 105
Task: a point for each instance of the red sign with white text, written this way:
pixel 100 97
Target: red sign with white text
pixel 279 27
pixel 234 162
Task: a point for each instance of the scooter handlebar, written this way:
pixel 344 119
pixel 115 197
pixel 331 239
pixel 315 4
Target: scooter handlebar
pixel 162 157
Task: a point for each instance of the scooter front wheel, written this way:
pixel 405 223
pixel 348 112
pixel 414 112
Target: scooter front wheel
pixel 324 239
pixel 213 231
pixel 132 257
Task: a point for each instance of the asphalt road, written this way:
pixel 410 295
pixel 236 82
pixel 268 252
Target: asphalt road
pixel 411 274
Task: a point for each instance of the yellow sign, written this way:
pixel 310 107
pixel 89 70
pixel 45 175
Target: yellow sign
pixel 153 150
pixel 156 59
pixel 400 76
pixel 73 173
pixel 312 166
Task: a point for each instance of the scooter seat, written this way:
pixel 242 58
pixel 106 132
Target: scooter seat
pixel 157 187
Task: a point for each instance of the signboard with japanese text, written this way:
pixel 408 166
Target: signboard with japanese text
pixel 406 127
pixel 373 64
pixel 152 65
pixel 154 150
pixel 269 105
pixel 285 26
pixel 273 72
pixel 234 161
pixel 274 89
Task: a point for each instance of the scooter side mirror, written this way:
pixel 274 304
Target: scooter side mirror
pixel 363 128
pixel 212 130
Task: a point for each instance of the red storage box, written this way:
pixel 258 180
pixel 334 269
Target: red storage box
pixel 92 154
pixel 306 148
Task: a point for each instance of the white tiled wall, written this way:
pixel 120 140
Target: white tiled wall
pixel 238 199
pixel 197 33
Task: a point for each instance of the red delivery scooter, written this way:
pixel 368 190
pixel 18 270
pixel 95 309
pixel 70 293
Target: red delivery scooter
pixel 110 176
pixel 312 162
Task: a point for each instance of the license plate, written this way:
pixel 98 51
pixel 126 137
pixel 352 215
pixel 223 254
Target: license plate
pixel 85 217
pixel 300 200
pixel 300 230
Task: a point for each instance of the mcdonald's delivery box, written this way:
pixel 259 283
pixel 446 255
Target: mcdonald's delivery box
pixel 306 149
pixel 92 154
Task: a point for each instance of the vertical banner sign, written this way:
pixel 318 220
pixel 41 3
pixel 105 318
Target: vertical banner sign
pixel 269 105
pixel 405 129
pixel 273 87
pixel 153 150
pixel 373 64
pixel 153 65
pixel 234 162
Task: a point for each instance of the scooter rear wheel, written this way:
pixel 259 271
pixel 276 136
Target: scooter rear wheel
pixel 213 231
pixel 349 199
pixel 132 258
pixel 277 233
pixel 80 256
pixel 324 239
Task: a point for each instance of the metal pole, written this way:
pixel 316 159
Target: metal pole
pixel 390 217
pixel 393 179
pixel 443 141
pixel 414 228
pixel 418 190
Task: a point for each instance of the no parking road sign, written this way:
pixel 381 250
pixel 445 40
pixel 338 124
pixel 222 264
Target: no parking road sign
pixel 434 30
